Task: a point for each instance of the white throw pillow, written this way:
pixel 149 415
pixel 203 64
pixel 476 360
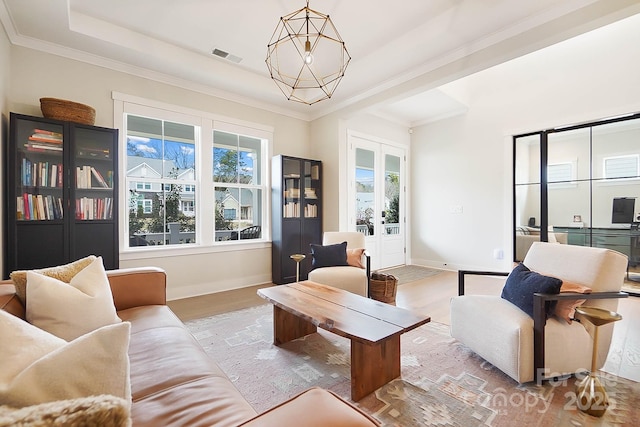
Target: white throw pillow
pixel 22 344
pixel 69 310
pixel 93 364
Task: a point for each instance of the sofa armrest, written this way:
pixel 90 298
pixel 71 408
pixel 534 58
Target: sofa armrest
pixel 540 321
pixel 134 287
pixel 9 301
pixel 462 273
pixel 315 407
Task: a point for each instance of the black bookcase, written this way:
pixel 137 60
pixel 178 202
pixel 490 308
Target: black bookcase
pixel 61 193
pixel 296 215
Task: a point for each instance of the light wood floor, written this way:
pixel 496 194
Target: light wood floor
pixel 430 296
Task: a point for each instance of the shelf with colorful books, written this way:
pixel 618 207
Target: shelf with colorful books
pixel 90 177
pixel 36 173
pixel 39 207
pixel 94 208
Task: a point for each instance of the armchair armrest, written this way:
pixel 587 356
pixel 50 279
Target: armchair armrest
pixel 540 321
pixel 368 268
pixel 462 273
pixel 134 287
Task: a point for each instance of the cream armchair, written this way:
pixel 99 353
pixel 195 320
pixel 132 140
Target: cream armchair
pixel 539 348
pixel 349 278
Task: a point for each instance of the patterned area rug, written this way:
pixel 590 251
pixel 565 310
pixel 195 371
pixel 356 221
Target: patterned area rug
pixel 410 273
pixel 442 383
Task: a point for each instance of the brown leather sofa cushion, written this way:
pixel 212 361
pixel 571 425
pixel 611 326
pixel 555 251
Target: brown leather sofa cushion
pixel 173 381
pixel 315 407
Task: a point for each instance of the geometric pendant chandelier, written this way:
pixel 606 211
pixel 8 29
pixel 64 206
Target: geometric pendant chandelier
pixel 306 56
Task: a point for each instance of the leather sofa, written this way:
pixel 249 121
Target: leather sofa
pixel 175 383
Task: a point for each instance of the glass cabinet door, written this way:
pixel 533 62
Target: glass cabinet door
pixel 311 189
pixel 291 188
pixel 39 180
pixel 93 175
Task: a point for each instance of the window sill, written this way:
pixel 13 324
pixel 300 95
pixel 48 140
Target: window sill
pixel 146 252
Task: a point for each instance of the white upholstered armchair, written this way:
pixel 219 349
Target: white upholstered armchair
pixel 536 347
pixel 348 277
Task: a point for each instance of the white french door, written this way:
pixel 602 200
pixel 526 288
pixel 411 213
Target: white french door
pixel 377 198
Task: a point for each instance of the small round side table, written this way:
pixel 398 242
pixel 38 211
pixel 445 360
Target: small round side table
pixel 591 393
pixel 297 258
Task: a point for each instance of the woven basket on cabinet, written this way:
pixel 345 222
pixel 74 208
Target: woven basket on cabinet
pixel 61 109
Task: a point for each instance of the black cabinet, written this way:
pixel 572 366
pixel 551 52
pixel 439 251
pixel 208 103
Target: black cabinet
pixel 61 193
pixel 296 215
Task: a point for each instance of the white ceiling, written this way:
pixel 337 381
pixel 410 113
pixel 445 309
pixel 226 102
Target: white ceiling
pixel 401 52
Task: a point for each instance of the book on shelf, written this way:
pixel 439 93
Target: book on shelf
pixel 19 208
pixel 45 138
pixel 103 153
pixel 96 173
pixel 48 133
pixel 42 147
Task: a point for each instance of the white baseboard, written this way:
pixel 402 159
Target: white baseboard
pixel 174 293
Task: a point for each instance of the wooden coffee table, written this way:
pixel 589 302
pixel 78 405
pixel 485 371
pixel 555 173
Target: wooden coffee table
pixel 373 327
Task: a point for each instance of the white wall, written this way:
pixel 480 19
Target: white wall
pixel 467 160
pixel 35 74
pixel 5 61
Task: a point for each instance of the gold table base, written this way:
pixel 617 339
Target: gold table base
pixel 591 395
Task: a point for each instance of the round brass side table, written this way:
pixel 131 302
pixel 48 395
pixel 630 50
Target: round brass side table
pixel 591 393
pixel 297 258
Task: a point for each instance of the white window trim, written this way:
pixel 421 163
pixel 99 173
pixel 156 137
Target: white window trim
pixel 204 197
pixel 627 156
pixel 564 184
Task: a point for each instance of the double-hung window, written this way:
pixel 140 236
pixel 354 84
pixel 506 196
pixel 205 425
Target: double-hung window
pixel 238 186
pixel 192 179
pixel 161 163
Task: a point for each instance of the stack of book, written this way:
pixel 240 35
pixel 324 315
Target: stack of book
pixel 44 140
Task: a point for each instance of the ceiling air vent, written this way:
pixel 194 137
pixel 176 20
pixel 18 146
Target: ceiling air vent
pixel 226 55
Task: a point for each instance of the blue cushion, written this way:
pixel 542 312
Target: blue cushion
pixel 522 283
pixel 329 255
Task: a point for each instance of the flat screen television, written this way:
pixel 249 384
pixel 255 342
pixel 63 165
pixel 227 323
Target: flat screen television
pixel 623 210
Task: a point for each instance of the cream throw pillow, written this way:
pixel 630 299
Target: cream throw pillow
pixel 22 344
pixel 93 364
pixel 69 310
pixel 61 272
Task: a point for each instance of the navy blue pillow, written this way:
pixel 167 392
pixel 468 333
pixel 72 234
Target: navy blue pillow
pixel 329 255
pixel 522 283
